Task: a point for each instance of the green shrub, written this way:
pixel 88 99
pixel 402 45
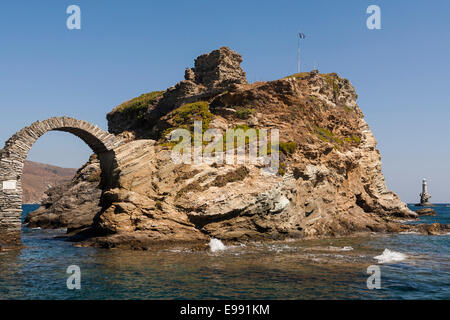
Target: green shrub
pixel 241 126
pixel 327 134
pixel 348 139
pixel 288 148
pixel 353 139
pixel 333 81
pixel 244 113
pixel 348 109
pixel 356 139
pixel 184 117
pixel 339 141
pixel 298 75
pixel 282 169
pixel 188 113
pixel 138 105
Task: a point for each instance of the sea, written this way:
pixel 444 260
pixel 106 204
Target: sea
pixel 394 266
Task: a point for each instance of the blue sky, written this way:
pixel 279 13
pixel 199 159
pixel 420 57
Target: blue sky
pixel 125 48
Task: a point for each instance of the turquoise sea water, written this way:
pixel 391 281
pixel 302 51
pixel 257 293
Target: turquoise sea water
pixel 321 269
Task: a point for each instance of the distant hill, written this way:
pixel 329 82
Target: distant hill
pixel 38 177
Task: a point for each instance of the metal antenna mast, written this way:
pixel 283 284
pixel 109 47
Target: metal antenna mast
pixel 300 37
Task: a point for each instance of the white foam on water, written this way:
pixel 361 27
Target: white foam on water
pixel 280 248
pixel 347 248
pixel 216 245
pixel 179 250
pixel 390 256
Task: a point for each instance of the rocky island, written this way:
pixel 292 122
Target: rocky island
pixel 329 181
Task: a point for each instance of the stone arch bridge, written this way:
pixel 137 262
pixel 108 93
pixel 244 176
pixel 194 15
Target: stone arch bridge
pixel 15 152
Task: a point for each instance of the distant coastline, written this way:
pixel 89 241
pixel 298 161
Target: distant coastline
pixel 39 177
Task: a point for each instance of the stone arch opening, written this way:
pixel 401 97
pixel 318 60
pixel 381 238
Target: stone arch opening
pixel 15 152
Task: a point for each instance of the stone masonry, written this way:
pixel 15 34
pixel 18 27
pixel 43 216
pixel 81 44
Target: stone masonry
pixel 15 152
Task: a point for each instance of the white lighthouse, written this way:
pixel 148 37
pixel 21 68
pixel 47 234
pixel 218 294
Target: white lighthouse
pixel 425 196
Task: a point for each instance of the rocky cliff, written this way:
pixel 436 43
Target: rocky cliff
pixel 72 204
pixel 329 181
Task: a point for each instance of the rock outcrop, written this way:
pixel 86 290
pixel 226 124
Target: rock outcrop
pixel 72 205
pixel 426 212
pixel 432 229
pixel 329 181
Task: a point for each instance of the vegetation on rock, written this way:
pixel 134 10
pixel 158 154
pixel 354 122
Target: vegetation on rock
pixel 288 148
pixel 328 136
pixel 298 75
pixel 333 80
pixel 196 111
pixel 184 117
pixel 244 113
pixel 138 106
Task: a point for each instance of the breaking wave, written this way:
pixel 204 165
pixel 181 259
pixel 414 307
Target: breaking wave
pixel 216 245
pixel 390 256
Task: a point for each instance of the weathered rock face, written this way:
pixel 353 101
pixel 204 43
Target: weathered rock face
pixel 329 182
pixel 156 201
pixel 135 211
pixel 217 69
pixel 433 229
pixel 72 205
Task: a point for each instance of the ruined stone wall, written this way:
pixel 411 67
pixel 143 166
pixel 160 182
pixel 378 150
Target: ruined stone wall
pixel 219 68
